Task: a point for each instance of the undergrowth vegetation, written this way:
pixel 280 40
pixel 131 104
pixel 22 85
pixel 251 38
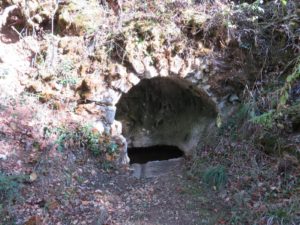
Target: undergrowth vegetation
pixel 215 177
pixel 88 138
pixel 10 186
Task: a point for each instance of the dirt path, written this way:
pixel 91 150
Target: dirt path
pixel 167 199
pixel 69 193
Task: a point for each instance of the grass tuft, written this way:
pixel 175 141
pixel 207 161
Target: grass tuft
pixel 216 177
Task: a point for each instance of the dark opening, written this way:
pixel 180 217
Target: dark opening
pixel 153 153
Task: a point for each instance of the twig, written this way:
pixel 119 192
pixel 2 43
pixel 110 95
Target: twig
pixel 15 30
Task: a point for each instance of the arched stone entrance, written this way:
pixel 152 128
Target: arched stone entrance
pixel 165 111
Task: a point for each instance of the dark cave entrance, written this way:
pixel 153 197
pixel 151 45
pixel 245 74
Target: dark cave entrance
pixel 153 153
pixel 163 118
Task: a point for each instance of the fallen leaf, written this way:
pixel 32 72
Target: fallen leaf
pixel 85 202
pixel 34 220
pixel 33 176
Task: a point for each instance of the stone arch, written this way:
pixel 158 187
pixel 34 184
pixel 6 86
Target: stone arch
pixel 164 111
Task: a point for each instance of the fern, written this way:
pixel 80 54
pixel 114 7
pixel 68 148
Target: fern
pixel 265 119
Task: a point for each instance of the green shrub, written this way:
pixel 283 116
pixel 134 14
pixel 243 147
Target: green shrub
pixel 89 138
pixel 265 119
pixel 216 177
pixel 9 187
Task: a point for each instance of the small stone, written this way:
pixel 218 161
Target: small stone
pixel 233 98
pixel 206 87
pixel 137 65
pixel 121 70
pixel 121 85
pixel 198 75
pixel 176 64
pixel 116 128
pixel 164 72
pixel 133 79
pixel 3 157
pixel 197 63
pixel 111 96
pixel 163 66
pixel 204 68
pixel 110 114
pixel 99 126
pixel 151 72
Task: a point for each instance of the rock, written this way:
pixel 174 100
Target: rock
pixel 187 68
pixel 45 97
pixel 197 63
pixel 156 168
pixel 99 126
pixel 206 88
pixel 121 70
pixel 151 72
pixel 163 66
pixel 89 109
pixel 34 87
pixel 122 143
pixel 122 84
pixel 198 75
pixel 133 79
pixel 3 157
pixel 137 65
pixel 176 64
pixel 110 113
pixel 84 89
pixel 204 68
pixel 110 96
pixel 164 73
pixel 116 128
pixel 233 98
pixel 191 78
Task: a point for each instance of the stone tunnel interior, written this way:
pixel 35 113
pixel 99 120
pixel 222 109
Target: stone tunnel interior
pixel 164 118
